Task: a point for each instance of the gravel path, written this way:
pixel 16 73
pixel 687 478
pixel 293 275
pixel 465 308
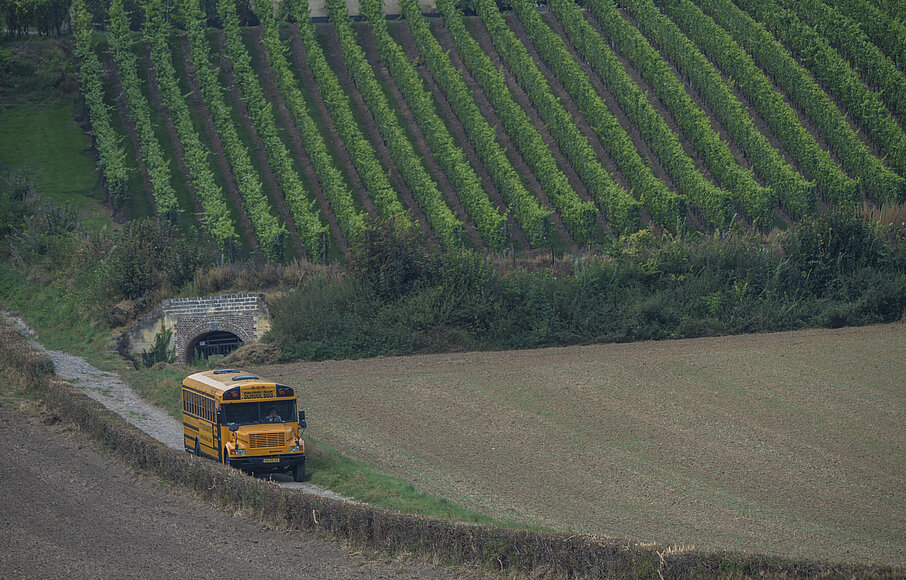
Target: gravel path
pixel 109 390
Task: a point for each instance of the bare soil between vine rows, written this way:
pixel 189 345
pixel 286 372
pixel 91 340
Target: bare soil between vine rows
pixel 789 444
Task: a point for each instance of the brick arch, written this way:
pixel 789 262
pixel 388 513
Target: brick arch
pixel 188 331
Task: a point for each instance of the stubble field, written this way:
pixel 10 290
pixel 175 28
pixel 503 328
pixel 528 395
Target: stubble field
pixel 790 444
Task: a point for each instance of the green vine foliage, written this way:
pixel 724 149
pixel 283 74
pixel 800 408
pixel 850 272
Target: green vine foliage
pixel 578 216
pixel 592 47
pixel 357 145
pixel 850 41
pixel 757 201
pixel 739 66
pixel 270 232
pixel 525 207
pixel 215 214
pixel 618 206
pixel 111 155
pixel 874 178
pixel 332 181
pixel 887 33
pixel 300 202
pixel 838 78
pixel 446 226
pixel 488 221
pixel 157 165
pixel 665 205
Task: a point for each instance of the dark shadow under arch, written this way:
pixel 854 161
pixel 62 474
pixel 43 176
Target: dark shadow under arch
pixel 216 342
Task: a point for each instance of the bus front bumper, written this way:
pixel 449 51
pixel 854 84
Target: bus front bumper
pixel 265 463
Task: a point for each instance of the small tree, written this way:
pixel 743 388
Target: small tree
pixel 160 351
pixel 387 259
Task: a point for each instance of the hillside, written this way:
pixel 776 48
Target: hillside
pixel 500 131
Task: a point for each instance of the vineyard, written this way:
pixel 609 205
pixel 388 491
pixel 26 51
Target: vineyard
pixel 522 130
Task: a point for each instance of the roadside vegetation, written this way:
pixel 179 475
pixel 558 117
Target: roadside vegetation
pixel 842 268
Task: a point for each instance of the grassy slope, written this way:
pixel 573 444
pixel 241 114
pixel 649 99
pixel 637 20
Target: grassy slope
pixel 43 140
pixel 782 444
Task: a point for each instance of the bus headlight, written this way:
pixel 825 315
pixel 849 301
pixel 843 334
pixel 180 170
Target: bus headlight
pixel 238 451
pixel 294 448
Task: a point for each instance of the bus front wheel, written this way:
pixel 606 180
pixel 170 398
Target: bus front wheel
pixel 299 472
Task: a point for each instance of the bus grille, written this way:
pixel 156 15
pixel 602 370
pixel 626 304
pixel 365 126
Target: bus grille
pixel 259 440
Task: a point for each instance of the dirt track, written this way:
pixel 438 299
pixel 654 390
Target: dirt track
pixel 788 444
pixel 69 511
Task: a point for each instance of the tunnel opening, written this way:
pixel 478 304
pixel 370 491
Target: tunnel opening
pixel 213 343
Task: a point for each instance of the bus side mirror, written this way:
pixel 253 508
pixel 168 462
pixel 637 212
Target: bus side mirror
pixel 233 427
pixel 301 416
pixel 219 416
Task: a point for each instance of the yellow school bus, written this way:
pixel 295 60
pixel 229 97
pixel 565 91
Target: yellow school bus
pixel 243 421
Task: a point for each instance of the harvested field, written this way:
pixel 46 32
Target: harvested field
pixel 789 444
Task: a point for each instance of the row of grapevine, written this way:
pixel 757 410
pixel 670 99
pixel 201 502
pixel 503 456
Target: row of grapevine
pixel 712 202
pixel 301 207
pixel 789 187
pixel 886 32
pixel 332 181
pixel 578 216
pixel 357 145
pixel 111 156
pixel 738 65
pixel 270 232
pixel 836 75
pixel 447 227
pixel 877 180
pixel 216 217
pixel 487 220
pixel 665 205
pixel 618 206
pixel 634 102
pixel 140 112
pixel 528 212
pixel 868 59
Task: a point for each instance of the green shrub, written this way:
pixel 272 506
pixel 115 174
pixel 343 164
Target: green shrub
pixel 389 261
pixel 149 254
pixel 830 271
pixel 160 351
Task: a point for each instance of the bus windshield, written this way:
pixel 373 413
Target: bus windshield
pixel 259 412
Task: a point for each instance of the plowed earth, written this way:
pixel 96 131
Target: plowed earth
pixel 78 513
pixel 790 444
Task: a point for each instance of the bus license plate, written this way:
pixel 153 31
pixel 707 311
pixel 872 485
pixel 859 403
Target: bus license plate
pixel 271 460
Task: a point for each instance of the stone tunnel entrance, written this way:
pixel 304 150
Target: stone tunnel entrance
pixel 202 327
pixel 218 342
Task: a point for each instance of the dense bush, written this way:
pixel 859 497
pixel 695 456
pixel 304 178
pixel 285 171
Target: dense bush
pixel 149 253
pixel 145 260
pixel 833 270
